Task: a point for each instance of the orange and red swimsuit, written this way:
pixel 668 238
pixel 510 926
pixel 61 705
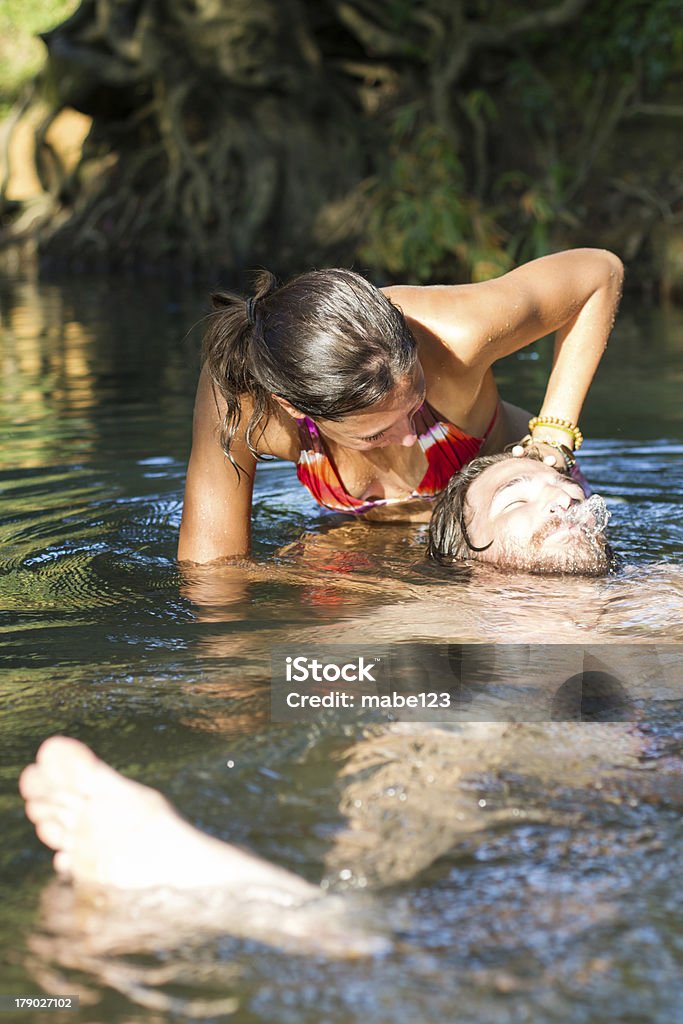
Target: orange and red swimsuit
pixel 447 448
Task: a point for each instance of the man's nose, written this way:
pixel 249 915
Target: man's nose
pixel 560 501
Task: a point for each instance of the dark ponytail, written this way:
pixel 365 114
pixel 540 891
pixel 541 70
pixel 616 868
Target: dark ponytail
pixel 328 342
pixel 228 357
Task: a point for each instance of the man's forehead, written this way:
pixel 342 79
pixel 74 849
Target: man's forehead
pixel 481 491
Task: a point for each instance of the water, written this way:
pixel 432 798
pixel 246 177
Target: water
pixel 592 515
pixel 522 872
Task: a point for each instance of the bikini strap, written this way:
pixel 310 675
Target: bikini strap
pixel 493 421
pixel 309 437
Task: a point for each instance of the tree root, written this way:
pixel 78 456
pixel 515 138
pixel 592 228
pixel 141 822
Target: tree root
pixel 228 135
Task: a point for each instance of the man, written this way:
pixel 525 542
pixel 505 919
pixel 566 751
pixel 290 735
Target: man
pixel 522 514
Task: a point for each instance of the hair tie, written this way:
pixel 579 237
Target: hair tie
pixel 251 302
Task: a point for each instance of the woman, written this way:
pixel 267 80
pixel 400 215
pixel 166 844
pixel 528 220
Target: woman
pixel 381 395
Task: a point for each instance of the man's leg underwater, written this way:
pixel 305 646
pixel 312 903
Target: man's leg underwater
pixel 114 835
pixel 111 831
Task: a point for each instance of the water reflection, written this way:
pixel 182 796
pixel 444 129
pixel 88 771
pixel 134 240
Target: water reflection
pixel 71 354
pixel 47 376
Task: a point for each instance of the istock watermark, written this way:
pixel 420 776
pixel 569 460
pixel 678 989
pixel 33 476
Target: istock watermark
pixel 451 682
pixel 319 677
pixel 302 670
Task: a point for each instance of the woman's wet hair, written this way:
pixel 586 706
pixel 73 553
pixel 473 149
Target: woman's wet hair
pixel 448 538
pixel 328 342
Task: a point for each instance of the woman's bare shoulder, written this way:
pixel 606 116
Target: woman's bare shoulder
pixel 453 314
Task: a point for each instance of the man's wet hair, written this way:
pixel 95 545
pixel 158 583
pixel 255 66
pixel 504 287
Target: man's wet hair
pixel 448 538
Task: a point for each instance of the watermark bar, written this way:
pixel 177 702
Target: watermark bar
pixel 17 1004
pixel 427 682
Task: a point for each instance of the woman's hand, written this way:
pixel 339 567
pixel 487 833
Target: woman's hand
pixel 550 455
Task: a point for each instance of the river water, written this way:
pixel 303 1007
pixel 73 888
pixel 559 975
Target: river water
pixel 520 867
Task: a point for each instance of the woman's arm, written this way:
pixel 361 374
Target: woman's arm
pixel 573 293
pixel 216 519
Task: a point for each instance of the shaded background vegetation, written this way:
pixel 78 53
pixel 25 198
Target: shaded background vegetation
pixel 433 140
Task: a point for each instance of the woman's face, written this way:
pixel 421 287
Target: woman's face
pixel 385 423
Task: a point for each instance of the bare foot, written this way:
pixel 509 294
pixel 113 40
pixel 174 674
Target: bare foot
pixel 111 831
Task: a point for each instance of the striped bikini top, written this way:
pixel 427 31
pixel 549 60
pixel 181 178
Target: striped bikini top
pixel 447 448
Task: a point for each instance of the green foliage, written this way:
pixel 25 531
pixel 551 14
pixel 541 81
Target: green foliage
pixel 536 125
pixel 422 222
pixel 21 51
pixel 616 37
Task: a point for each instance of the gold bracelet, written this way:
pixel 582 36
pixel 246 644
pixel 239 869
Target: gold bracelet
pixel 557 423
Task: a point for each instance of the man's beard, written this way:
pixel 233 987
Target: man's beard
pixel 582 554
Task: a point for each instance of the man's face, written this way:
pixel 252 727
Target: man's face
pixel 518 504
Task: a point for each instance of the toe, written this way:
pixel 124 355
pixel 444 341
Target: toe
pixel 62 863
pixel 64 752
pixel 37 787
pixel 68 763
pixel 51 832
pixel 39 812
pixel 32 782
